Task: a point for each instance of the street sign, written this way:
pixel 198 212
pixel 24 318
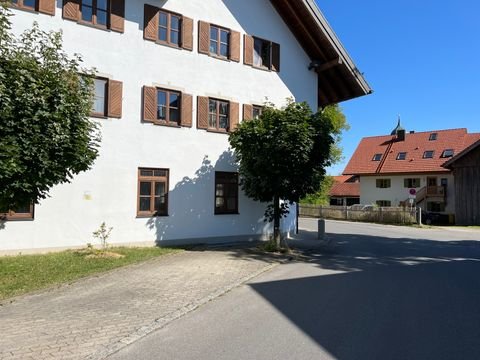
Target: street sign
pixel 412 191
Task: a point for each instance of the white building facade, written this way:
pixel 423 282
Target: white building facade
pixel 168 179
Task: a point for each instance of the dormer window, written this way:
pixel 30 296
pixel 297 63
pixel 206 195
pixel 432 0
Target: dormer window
pixel 433 137
pixel 401 156
pixel 377 157
pixel 428 154
pixel 447 153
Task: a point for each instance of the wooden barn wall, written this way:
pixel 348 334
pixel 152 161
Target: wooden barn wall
pixel 467 189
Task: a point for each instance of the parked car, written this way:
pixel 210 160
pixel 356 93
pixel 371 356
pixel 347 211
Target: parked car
pixel 432 218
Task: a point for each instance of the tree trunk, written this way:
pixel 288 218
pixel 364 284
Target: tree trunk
pixel 276 221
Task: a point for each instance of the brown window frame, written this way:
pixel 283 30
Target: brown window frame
pixel 219 41
pixel 270 48
pixel 152 179
pixel 20 5
pixel 167 108
pixel 12 215
pixel 217 114
pixel 105 102
pixel 220 177
pixel 169 28
pixel 95 8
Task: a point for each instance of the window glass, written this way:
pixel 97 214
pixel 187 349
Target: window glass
pixel 433 136
pixel 448 153
pixel 213 33
pixel 175 37
pixel 257 51
pixel 257 111
pixel 102 4
pixel 175 22
pixel 377 157
pixel 163 19
pixel 145 188
pixel 224 50
pixel 87 13
pixel 401 156
pixel 29 3
pixel 428 154
pixel 101 17
pixel 99 102
pixel 226 193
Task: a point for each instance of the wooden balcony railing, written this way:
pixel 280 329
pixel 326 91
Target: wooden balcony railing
pixel 436 191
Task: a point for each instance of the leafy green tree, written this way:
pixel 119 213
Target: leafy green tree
pixel 282 156
pixel 321 196
pixel 46 136
pixel 340 124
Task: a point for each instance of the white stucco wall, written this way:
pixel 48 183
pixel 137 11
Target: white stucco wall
pixel 67 218
pixel 369 193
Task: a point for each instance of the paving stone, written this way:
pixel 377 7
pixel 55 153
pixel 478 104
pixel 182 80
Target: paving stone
pixel 95 317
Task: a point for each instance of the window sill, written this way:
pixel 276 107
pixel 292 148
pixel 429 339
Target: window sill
pixel 173 46
pixel 90 25
pixel 227 213
pixel 215 131
pixel 23 8
pixel 219 57
pixel 262 68
pixel 98 116
pixel 161 123
pixel 141 216
pixel 7 218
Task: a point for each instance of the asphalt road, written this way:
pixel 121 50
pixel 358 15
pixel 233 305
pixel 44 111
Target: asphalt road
pixel 377 292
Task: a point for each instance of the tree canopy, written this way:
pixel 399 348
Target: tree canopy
pixel 46 135
pixel 283 155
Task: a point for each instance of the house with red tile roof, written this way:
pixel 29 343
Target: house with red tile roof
pixel 409 165
pixel 345 190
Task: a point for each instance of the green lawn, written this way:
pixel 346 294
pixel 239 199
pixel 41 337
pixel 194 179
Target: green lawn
pixel 24 273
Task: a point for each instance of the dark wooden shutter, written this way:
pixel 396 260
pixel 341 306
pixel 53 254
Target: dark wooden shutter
pixel 149 103
pixel 275 57
pixel 202 112
pixel 203 37
pixel 71 9
pixel 150 27
pixel 247 50
pixel 47 6
pixel 117 15
pixel 235 46
pixel 247 112
pixel 234 115
pixel 187 110
pixel 115 97
pixel 187 33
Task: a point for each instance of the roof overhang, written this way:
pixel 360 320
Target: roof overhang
pixel 338 77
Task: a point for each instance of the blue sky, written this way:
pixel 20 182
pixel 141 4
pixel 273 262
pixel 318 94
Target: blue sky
pixel 422 59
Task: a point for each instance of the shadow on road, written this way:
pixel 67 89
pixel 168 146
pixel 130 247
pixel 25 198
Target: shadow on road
pixel 386 298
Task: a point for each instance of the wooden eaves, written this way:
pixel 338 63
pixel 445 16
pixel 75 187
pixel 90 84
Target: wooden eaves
pixel 338 77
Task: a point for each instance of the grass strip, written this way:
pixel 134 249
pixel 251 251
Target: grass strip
pixel 25 273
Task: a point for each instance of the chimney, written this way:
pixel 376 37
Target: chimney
pixel 412 132
pixel 401 135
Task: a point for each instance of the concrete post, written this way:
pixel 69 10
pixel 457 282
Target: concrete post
pixel 321 229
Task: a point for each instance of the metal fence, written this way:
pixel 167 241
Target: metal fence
pixel 385 215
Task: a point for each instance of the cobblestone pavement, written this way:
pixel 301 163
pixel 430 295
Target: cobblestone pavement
pixel 95 317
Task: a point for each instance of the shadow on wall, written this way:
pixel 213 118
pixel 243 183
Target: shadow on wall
pixel 387 299
pixel 191 208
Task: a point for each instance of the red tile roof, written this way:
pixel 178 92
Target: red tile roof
pixel 342 188
pixel 414 145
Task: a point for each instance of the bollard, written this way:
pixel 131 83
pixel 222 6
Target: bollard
pixel 321 229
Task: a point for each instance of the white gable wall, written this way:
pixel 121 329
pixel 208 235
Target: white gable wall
pixel 108 192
